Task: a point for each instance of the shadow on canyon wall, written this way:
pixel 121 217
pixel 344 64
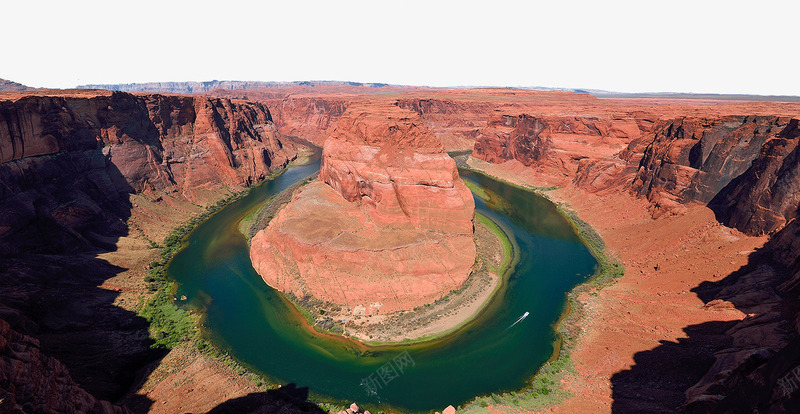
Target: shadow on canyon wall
pixel 59 222
pixel 287 399
pixel 68 166
pixel 60 214
pixel 735 366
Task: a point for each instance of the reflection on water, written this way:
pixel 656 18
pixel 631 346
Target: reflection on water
pixel 260 328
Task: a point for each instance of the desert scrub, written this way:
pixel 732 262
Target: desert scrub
pixel 169 324
pixel 544 391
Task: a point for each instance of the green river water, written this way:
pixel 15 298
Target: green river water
pixel 256 325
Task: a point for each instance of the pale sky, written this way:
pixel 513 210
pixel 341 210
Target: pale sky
pixel 628 46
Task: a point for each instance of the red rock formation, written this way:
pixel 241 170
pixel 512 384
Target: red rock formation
pixel 155 140
pixel 588 149
pixel 766 196
pixel 392 161
pixel 693 159
pixel 742 166
pixel 388 226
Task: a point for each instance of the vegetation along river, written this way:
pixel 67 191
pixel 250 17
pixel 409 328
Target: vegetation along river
pixel 261 329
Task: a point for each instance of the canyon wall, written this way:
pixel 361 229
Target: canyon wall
pixel 387 227
pixel 743 167
pixel 589 150
pixel 68 164
pixel 310 118
pixel 455 123
pixel 77 169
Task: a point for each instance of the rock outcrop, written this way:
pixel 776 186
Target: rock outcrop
pixel 385 157
pixel 389 225
pixel 766 196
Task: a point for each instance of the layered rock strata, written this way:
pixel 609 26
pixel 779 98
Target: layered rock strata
pixel 388 226
pixel 69 163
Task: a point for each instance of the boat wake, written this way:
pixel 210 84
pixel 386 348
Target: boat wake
pixel 521 318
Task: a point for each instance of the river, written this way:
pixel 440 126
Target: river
pixel 260 328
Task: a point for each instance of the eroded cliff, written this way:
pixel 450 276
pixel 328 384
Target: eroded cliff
pixel 743 167
pixel 455 123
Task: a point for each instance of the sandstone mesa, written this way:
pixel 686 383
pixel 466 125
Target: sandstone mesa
pixel 388 226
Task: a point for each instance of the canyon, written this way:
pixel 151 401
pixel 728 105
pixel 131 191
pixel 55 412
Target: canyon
pixel 698 198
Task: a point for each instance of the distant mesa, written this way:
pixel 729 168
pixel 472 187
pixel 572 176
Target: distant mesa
pixel 11 86
pixel 208 86
pixel 387 227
